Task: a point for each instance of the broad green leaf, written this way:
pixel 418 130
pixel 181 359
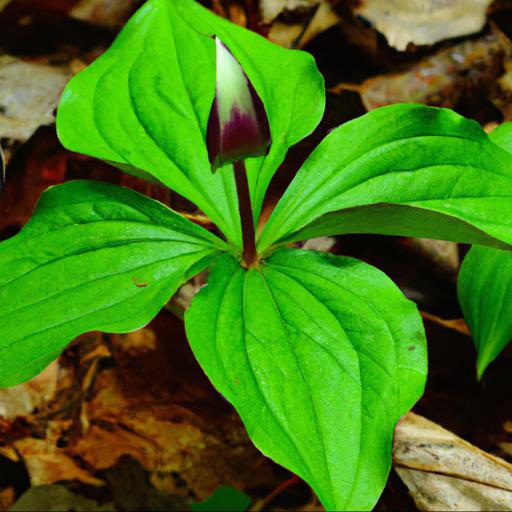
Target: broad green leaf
pixel 401 170
pixel 144 104
pixel 485 296
pixel 94 257
pixel 502 136
pixel 485 287
pixel 321 356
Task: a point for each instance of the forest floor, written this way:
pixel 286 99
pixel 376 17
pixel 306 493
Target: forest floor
pixel 172 440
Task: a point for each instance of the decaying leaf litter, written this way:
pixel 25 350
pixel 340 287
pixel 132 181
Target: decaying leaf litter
pixel 143 394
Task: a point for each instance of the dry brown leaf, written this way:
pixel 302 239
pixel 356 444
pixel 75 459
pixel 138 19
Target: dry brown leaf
pixel 442 79
pixel 107 13
pixel 286 34
pixel 457 324
pixel 7 498
pixel 137 342
pixel 183 298
pixel 501 96
pixel 444 472
pixel 423 22
pixel 47 464
pixel 271 9
pixel 443 255
pixel 322 243
pixel 300 32
pixel 167 439
pixel 23 399
pixel 323 19
pixel 29 93
pixel 143 407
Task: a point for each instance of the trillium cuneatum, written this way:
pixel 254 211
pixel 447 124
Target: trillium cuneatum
pixel 238 126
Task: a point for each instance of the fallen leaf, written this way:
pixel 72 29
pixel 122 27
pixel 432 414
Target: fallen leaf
pixel 107 13
pixel 443 255
pixel 23 399
pixel 444 472
pixel 125 397
pixel 29 93
pixel 443 78
pixel 457 324
pixel 271 9
pixel 322 243
pixel 132 490
pixel 286 34
pixel 48 464
pixel 423 22
pixel 299 33
pixel 323 19
pixel 136 342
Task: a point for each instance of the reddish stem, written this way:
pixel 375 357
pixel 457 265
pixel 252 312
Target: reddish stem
pixel 246 217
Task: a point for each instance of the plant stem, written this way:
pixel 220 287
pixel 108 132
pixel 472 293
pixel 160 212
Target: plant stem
pixel 245 208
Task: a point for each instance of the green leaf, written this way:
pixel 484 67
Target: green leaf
pixel 94 257
pixel 485 288
pixel 404 170
pixel 502 136
pixel 144 104
pixel 224 499
pixel 485 296
pixel 321 356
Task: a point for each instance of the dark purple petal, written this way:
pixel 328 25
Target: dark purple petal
pixel 243 131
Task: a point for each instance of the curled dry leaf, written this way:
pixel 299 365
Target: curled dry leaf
pixel 423 22
pixel 271 9
pixel 286 34
pixel 300 33
pixel 457 324
pixel 99 12
pixel 443 78
pixel 501 95
pixel 23 399
pixel 47 464
pixel 322 244
pixel 443 255
pixel 143 399
pixel 444 472
pixel 29 93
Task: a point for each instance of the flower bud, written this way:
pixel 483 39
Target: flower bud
pixel 238 125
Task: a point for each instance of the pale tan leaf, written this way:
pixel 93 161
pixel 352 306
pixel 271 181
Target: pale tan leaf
pixel 271 9
pixel 47 464
pixel 444 472
pixel 443 78
pixel 29 93
pixel 423 22
pixel 108 13
pixel 23 399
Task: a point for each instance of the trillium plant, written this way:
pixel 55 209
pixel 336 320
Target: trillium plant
pixel 320 355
